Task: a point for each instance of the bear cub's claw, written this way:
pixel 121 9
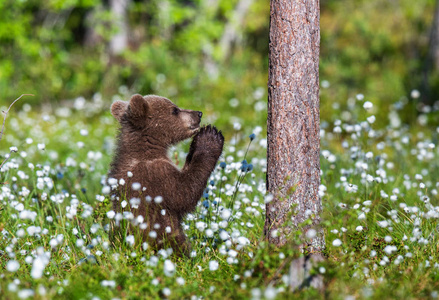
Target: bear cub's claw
pixel 209 139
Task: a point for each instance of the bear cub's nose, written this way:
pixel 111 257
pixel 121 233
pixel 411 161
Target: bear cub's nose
pixel 200 114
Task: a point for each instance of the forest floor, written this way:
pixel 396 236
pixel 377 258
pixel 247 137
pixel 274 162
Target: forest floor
pixel 379 188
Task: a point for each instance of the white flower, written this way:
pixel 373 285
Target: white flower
pixel 108 283
pixel 359 228
pixel 336 243
pixel 415 94
pixel 27 214
pixel 112 181
pixel 224 235
pixel 12 266
pixel 79 242
pixel 130 240
pixel 111 214
pixel 26 293
pixel 371 119
pixel 200 226
pixel 136 186
pixel 213 265
pixel 367 105
pixel 383 224
pixel 311 233
pixel 390 249
pixel 225 214
pixel 166 291
pixel 20 233
pixel 145 246
pixel 270 293
pixel 39 263
pixel 155 282
pixel 106 190
pixel 169 268
pixel 180 280
pixel 256 293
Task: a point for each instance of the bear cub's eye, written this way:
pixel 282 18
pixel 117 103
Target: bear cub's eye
pixel 175 111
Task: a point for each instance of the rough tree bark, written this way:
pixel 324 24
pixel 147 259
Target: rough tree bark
pixel 293 154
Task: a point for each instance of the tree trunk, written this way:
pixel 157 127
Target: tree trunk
pixel 431 63
pixel 293 154
pixel 119 41
pixel 233 27
pixel 434 37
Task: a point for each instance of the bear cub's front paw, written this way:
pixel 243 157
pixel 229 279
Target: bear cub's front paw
pixel 210 140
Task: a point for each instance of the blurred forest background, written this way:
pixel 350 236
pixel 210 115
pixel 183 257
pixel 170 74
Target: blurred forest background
pixel 213 54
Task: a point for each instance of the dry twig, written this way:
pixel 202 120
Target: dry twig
pixel 3 126
pixel 6 113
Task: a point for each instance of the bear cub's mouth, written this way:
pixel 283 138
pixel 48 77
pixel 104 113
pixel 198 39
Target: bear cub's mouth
pixel 195 124
pixel 195 128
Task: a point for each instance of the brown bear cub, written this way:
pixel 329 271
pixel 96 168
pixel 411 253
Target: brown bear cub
pixel 159 193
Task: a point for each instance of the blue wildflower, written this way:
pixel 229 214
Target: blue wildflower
pixel 252 136
pixel 244 166
pixel 59 175
pixel 222 165
pixel 206 203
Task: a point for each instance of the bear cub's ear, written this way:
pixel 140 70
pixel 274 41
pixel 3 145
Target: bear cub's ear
pixel 118 108
pixel 138 107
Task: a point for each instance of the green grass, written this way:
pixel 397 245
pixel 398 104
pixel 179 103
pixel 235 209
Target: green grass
pixel 53 215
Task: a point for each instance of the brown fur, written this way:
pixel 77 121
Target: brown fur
pixel 149 126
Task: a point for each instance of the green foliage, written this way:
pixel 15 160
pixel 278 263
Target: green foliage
pixel 373 48
pixel 58 50
pixel 378 47
pixel 379 190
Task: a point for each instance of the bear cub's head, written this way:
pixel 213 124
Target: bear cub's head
pixel 157 119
